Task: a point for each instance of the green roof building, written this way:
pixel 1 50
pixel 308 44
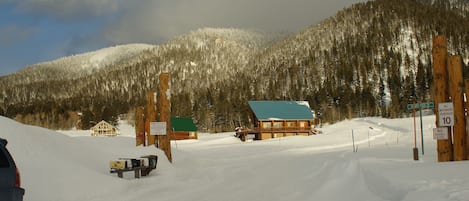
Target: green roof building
pixel 280 119
pixel 183 128
pixel 281 110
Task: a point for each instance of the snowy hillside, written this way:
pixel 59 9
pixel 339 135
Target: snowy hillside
pixel 370 59
pixel 75 66
pixel 90 61
pixel 57 167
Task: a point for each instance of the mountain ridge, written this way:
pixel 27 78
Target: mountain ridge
pixel 78 65
pixel 378 52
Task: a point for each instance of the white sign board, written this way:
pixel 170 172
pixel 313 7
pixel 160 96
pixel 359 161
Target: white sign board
pixel 440 133
pixel 446 114
pixel 157 128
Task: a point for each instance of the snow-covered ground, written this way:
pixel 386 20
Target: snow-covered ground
pixel 73 166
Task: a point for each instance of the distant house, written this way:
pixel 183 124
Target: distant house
pixel 274 119
pixel 183 129
pixel 104 128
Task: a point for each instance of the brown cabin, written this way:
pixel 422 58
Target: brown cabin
pixel 274 119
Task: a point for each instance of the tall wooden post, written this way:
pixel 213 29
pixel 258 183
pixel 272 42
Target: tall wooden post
pixel 456 88
pixel 150 117
pixel 140 126
pixel 164 108
pixel 439 54
pixel 467 118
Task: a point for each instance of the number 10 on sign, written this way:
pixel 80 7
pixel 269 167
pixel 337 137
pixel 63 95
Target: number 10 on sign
pixel 446 114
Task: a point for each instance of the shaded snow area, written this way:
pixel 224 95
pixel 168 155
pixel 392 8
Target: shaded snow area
pixel 73 166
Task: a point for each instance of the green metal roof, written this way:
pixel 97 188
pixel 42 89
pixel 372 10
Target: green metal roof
pixel 281 110
pixel 182 124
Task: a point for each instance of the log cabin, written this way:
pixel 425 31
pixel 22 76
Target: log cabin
pixel 274 119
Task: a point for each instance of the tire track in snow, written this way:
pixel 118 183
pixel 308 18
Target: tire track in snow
pixel 344 175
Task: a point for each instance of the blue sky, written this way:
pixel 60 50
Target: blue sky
pixel 33 31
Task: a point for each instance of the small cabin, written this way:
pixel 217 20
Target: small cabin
pixel 183 129
pixel 104 128
pixel 274 119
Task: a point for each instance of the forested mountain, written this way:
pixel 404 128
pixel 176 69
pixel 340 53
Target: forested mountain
pixel 370 59
pixel 77 66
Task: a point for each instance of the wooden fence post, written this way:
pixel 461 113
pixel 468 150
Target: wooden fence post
pixel 439 54
pixel 456 88
pixel 164 108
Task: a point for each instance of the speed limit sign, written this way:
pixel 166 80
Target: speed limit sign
pixel 446 114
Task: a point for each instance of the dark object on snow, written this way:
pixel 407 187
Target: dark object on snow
pixel 141 166
pixel 10 181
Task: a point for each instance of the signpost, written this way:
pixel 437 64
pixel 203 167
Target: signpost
pixel 419 106
pixel 441 90
pixel 445 119
pixel 147 129
pixel 446 112
pixel 440 134
pixel 157 128
pixel 449 85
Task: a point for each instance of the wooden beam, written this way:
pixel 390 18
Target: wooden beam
pixel 440 76
pixel 140 126
pixel 467 117
pixel 164 108
pixel 456 88
pixel 150 117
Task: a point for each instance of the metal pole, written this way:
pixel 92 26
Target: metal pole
pixel 415 149
pixel 421 129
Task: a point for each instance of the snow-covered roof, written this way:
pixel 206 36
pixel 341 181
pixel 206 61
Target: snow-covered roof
pixel 281 110
pixel 103 123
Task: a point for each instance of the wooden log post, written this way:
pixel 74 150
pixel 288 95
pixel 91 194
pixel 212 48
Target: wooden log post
pixel 457 89
pixel 150 117
pixel 439 54
pixel 140 126
pixel 164 108
pixel 467 118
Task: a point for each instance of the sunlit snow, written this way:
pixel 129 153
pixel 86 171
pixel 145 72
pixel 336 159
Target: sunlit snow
pixel 72 165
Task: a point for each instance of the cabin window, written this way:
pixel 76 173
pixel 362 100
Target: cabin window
pixel 291 124
pixel 278 124
pixel 266 125
pixel 303 124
